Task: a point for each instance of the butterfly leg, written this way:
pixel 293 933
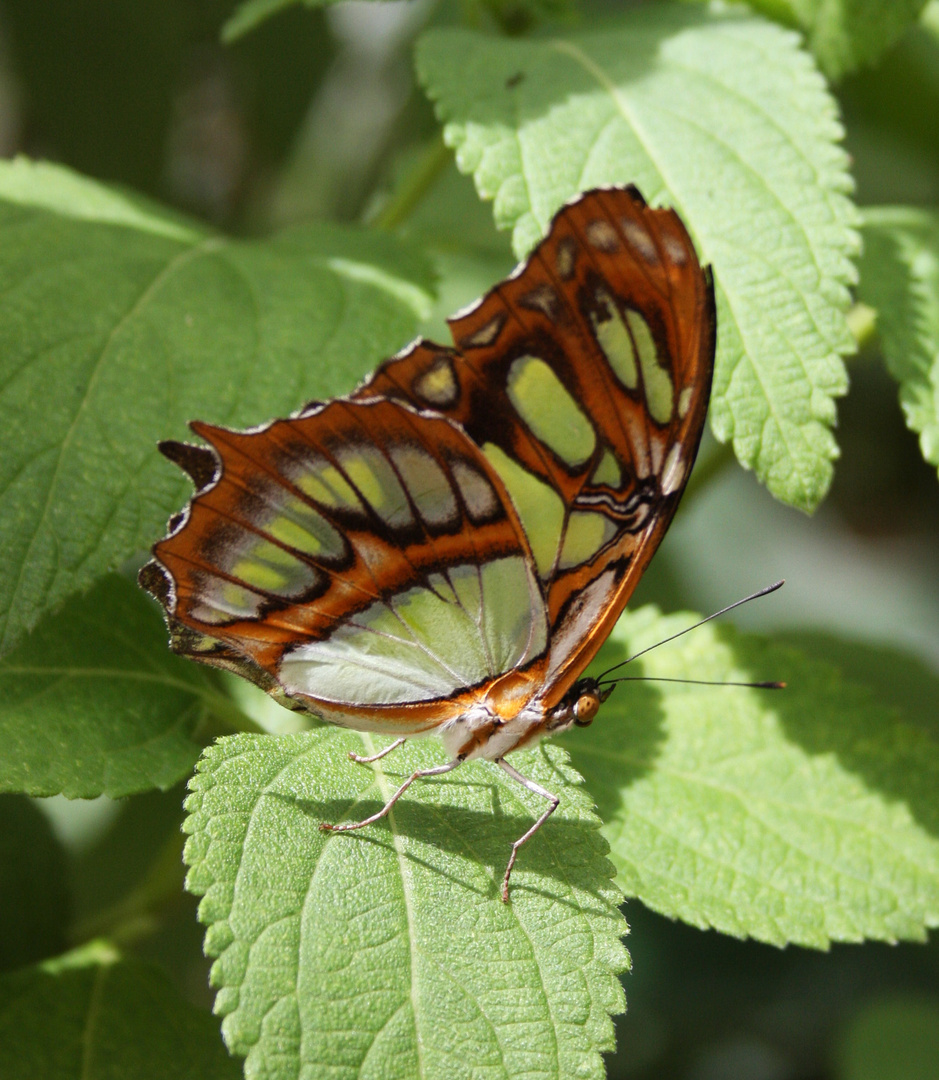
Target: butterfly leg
pixel 419 775
pixel 553 802
pixel 381 753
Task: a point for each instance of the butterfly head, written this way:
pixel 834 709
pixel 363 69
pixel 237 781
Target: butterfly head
pixel 587 696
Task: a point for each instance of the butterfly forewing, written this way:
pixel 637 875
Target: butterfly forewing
pixel 584 378
pixel 359 556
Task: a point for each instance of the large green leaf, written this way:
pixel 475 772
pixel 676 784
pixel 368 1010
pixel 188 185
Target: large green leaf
pixel 94 703
pixel 898 680
pixel 92 1015
pixel 724 117
pixel 804 815
pixel 388 952
pixel 900 278
pixel 118 324
pixel 844 34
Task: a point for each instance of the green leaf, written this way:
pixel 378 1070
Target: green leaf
pixel 140 326
pixel 92 1016
pixel 724 117
pixel 893 1038
pixel 897 679
pixel 33 895
pixel 900 278
pixel 39 185
pixel 844 34
pixel 805 815
pixel 388 952
pixel 93 702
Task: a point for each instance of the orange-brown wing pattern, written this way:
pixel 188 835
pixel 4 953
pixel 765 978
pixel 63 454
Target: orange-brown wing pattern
pixel 585 379
pixel 318 551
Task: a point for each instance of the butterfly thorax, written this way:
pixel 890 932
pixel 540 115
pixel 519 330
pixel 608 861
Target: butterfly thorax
pixel 504 721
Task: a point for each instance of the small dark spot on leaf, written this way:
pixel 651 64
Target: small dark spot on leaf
pixel 514 80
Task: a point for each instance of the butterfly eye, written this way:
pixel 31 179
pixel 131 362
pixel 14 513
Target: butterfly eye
pixel 586 708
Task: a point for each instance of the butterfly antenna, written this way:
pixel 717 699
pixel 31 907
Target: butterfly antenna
pixel 696 682
pixel 723 611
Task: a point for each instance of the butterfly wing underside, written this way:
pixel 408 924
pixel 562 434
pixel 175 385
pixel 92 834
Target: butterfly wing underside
pixel 473 519
pixel 360 560
pixel 584 378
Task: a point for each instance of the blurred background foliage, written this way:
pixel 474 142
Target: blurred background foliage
pixel 315 114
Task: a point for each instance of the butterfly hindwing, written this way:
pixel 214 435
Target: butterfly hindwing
pixel 584 378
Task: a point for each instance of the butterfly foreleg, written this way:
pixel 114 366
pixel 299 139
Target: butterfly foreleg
pixel 419 775
pixel 553 802
pixel 381 753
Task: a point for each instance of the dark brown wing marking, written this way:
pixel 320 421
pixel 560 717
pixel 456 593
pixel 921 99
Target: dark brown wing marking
pixel 616 305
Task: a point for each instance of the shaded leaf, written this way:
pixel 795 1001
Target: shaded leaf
pixel 724 117
pixel 93 702
pixel 844 34
pixel 142 323
pixel 897 679
pixel 249 14
pixel 91 1015
pixel 806 815
pixel 337 952
pixel 893 1038
pixel 900 278
pixel 33 895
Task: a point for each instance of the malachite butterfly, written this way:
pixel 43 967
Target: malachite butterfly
pixel 446 549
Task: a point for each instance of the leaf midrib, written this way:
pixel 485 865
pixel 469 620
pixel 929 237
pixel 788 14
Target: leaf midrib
pixel 381 778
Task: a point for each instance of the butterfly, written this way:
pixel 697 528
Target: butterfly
pixel 446 549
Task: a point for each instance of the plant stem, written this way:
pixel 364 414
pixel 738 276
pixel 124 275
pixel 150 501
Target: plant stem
pixel 418 182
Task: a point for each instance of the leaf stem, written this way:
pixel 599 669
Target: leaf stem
pixel 419 181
